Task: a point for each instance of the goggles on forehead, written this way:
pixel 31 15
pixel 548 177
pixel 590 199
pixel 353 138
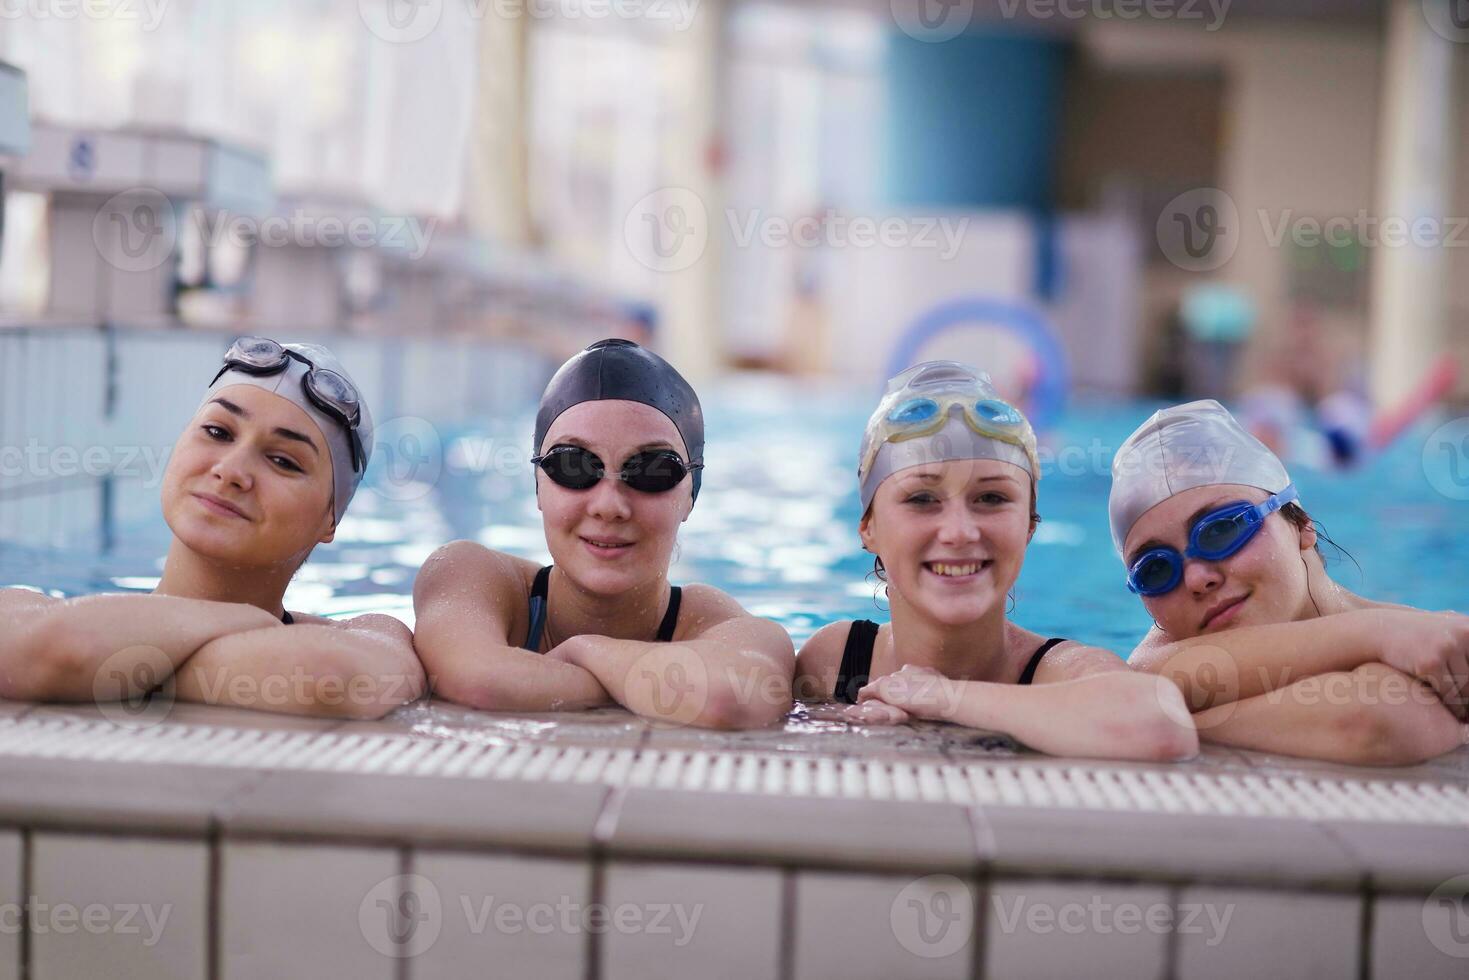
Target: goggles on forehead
pixel 333 394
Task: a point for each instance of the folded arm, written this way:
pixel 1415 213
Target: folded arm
pixel 1101 711
pixel 1239 664
pixel 118 645
pixel 1373 715
pixel 734 674
pixel 462 602
pixel 362 668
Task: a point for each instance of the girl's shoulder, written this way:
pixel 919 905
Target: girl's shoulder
pixel 461 564
pixel 819 661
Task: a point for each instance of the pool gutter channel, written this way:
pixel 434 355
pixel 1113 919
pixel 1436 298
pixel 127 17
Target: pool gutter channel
pixel 627 821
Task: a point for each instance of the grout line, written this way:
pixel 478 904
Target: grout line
pixel 1364 932
pixel 26 887
pixel 405 869
pixel 980 925
pixel 1170 941
pixel 787 939
pixel 212 940
pixel 593 947
pixel 602 829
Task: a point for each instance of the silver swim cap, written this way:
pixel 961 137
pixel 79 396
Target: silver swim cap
pixel 939 411
pixel 290 383
pixel 1194 445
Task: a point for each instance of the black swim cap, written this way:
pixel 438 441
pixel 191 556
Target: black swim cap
pixel 620 370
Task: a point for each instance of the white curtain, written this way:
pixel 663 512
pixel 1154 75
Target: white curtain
pixel 337 108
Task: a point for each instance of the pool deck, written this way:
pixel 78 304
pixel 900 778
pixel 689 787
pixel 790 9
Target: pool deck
pixel 807 851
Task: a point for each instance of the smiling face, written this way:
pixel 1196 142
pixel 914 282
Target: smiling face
pixel 951 535
pixel 249 482
pixel 1262 583
pixel 611 538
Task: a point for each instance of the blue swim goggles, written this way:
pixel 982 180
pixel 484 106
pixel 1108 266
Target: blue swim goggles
pixel 1215 536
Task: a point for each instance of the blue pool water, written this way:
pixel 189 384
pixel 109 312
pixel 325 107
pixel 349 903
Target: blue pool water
pixel 776 522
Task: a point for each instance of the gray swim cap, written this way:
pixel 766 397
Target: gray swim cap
pixel 1194 445
pixel 977 424
pixel 289 385
pixel 620 370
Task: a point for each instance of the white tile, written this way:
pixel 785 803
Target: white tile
pixel 522 914
pixel 1047 929
pixel 310 911
pixel 10 905
pixel 679 921
pixel 118 907
pixel 913 926
pixel 1420 938
pixel 1235 932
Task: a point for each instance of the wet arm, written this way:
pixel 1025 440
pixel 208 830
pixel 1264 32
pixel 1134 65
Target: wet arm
pixel 108 645
pixel 734 675
pixel 463 641
pixel 1373 715
pixel 362 668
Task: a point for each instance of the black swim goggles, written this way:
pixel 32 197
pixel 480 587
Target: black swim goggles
pixel 650 471
pixel 333 394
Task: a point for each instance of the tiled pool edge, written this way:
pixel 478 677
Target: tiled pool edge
pixel 293 854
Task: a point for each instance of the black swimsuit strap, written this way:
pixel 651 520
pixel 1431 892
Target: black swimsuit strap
pixel 856 660
pixel 540 591
pixel 670 618
pixel 1028 674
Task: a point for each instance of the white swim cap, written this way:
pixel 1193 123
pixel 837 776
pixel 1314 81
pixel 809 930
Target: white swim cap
pixel 939 411
pixel 1194 445
pixel 289 383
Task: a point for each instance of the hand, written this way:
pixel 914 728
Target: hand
pixel 1431 647
pixel 920 691
pixel 874 711
pixel 568 651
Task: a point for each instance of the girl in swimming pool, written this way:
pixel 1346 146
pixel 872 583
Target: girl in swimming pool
pixel 1270 653
pixel 619 443
pixel 948 473
pixel 262 474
